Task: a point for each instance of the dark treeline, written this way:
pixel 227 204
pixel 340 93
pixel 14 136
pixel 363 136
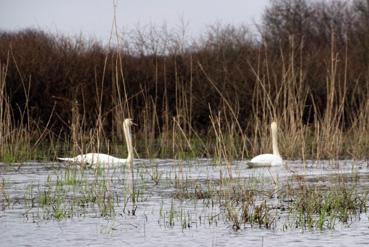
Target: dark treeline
pixel 161 72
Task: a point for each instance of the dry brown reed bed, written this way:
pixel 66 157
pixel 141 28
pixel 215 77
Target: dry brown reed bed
pixel 212 98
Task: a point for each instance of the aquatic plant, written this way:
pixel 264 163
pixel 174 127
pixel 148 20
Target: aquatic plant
pixel 5 198
pixel 317 209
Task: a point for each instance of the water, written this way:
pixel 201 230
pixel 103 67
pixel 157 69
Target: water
pixel 159 216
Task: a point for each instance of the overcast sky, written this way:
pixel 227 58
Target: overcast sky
pixel 93 18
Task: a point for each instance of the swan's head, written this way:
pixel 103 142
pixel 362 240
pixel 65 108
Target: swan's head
pixel 128 122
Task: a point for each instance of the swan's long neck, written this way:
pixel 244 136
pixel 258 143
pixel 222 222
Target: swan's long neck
pixel 128 137
pixel 275 139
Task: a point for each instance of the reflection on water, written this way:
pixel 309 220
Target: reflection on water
pixel 166 202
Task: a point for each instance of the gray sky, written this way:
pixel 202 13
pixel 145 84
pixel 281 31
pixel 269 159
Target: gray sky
pixel 93 18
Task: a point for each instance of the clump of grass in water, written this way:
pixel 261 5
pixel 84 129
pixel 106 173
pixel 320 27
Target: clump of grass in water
pixel 5 196
pixel 240 205
pixel 155 175
pixel 73 194
pixel 308 207
pixel 197 193
pixel 247 211
pixel 315 209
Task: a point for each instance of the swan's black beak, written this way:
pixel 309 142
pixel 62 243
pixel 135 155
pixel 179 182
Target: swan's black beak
pixel 132 123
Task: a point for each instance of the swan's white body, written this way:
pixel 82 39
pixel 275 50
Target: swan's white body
pixel 274 159
pixel 95 158
pixel 105 160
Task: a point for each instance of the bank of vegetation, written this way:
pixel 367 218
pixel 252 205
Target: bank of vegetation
pixel 307 67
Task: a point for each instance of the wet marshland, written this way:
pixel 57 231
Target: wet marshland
pixel 168 202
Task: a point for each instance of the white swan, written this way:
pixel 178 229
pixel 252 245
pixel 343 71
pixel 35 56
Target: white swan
pixel 274 159
pixel 97 159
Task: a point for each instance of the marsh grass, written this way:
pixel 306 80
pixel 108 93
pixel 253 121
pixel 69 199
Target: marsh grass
pixel 295 203
pixel 241 203
pixel 5 197
pixel 176 137
pixel 73 193
pixel 190 105
pixel 215 99
pixel 226 139
pixel 315 209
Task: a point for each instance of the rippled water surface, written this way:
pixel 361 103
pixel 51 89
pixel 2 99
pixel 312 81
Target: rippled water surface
pixel 161 213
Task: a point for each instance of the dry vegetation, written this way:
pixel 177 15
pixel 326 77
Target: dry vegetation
pixel 214 97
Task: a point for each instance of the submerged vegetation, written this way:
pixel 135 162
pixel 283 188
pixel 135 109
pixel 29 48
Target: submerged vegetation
pixel 245 201
pixel 307 68
pixel 73 193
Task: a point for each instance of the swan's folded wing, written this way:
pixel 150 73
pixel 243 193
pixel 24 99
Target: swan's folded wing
pixel 263 160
